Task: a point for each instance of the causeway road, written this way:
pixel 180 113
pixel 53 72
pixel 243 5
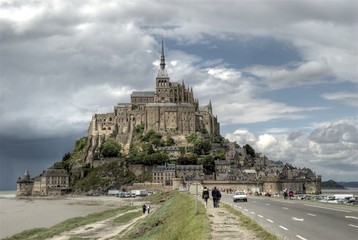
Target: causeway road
pixel 300 219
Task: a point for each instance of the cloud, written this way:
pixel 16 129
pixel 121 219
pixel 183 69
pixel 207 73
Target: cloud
pixel 62 61
pixel 330 149
pixel 308 73
pixel 348 98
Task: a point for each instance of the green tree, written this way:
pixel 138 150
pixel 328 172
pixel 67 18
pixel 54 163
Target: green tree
pixel 249 150
pixel 66 156
pixel 155 159
pixel 187 160
pixel 170 142
pixel 147 148
pixel 202 146
pixel 110 148
pixel 208 163
pixel 191 138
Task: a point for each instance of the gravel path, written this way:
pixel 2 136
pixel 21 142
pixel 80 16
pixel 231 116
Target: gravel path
pixel 226 226
pixel 105 229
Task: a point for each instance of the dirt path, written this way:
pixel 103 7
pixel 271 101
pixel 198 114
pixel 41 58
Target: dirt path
pixel 101 230
pixel 226 226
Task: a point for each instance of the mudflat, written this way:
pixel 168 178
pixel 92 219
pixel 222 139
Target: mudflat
pixel 17 215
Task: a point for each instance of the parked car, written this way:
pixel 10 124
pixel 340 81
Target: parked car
pixel 239 196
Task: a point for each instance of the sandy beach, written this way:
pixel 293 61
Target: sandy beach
pixel 17 215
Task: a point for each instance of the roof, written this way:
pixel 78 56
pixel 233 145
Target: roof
pixel 169 105
pixel 52 172
pixel 142 94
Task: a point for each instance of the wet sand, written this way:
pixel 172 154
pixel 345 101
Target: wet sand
pixel 17 215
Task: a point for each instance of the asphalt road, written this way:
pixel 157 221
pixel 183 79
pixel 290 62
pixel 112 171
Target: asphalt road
pixel 299 219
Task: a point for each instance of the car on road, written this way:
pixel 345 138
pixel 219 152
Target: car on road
pixel 239 196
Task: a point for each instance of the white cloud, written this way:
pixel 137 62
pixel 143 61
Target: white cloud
pixel 309 73
pixel 348 98
pixel 330 149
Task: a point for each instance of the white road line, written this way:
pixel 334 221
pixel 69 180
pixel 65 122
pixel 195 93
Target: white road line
pixel 285 208
pixel 252 213
pixel 352 217
pixel 302 238
pixel 246 210
pixel 333 209
pixel 269 220
pixel 283 227
pixel 311 214
pixel 254 201
pixel 351 225
pixel 297 219
pixel 260 216
pixel 267 204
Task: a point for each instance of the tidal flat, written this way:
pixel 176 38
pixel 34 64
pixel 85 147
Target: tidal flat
pixel 19 214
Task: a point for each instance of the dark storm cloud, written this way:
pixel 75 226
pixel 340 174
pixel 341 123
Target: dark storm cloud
pixel 17 155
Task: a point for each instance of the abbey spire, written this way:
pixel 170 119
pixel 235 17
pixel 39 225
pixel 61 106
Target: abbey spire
pixel 162 73
pixel 162 57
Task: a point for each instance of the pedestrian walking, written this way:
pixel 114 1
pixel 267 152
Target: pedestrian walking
pixel 205 196
pixel 215 193
pixel 148 207
pixel 144 207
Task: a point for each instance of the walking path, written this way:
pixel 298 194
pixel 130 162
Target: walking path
pixel 225 225
pixel 105 229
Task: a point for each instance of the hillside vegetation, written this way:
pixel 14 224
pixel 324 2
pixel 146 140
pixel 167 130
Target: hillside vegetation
pixel 144 149
pixel 330 184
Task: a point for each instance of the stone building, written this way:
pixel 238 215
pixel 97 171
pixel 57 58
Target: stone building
pixel 170 109
pixel 24 185
pixel 50 182
pixel 164 174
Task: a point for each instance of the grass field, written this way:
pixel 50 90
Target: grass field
pixel 176 219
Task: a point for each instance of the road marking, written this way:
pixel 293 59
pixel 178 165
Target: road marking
pixel 285 208
pixel 246 210
pixel 297 219
pixel 351 217
pixel 311 214
pixel 302 238
pixel 267 204
pixel 283 228
pixel 351 225
pixel 254 201
pixel 333 209
pixel 260 216
pixel 269 220
pixel 252 213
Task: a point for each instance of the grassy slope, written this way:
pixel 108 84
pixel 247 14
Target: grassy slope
pixel 176 219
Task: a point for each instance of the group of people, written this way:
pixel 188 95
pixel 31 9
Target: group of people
pixel 215 193
pixel 146 208
pixel 287 193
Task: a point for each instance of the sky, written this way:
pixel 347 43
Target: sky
pixel 281 75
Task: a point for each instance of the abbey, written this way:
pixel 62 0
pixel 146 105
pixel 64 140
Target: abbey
pixel 170 109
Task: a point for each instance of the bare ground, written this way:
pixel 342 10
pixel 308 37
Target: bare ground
pixel 101 230
pixel 225 225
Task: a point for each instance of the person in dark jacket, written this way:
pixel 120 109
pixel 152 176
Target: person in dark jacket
pixel 215 193
pixel 144 207
pixel 205 196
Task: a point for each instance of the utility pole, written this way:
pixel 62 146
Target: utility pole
pixel 196 199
